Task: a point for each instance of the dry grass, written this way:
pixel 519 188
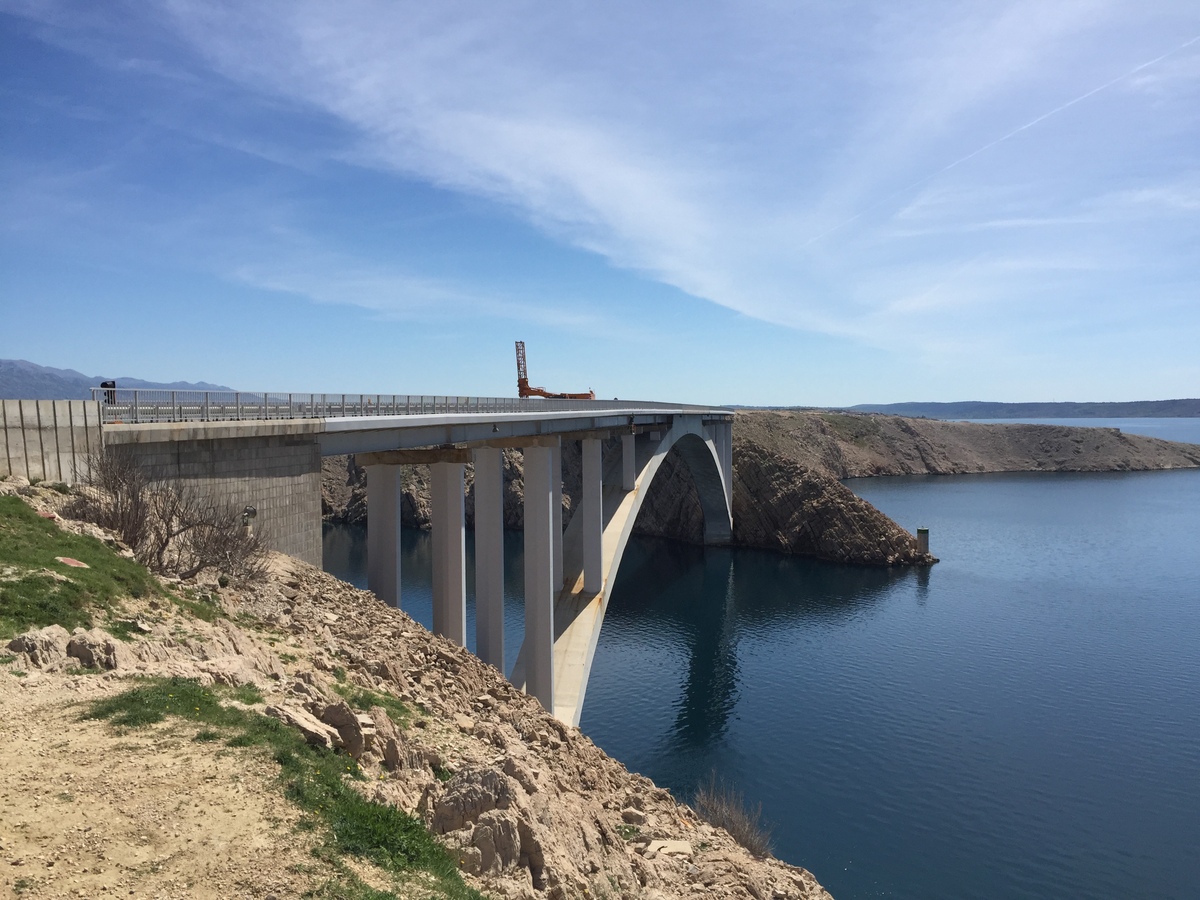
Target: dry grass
pixel 726 808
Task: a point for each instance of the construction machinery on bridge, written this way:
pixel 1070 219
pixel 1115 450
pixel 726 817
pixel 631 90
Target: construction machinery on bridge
pixel 524 390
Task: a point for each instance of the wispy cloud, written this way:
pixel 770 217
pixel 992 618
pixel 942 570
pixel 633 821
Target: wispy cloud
pixel 403 297
pixel 886 169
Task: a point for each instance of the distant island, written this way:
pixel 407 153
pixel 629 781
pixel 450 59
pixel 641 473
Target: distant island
pixel 24 380
pixel 978 409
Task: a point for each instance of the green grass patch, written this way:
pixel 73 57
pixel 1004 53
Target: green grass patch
pixel 200 609
pixel 31 598
pixel 314 779
pixel 364 698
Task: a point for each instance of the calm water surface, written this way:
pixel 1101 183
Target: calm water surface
pixel 1021 721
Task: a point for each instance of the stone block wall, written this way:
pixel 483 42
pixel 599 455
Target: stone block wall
pixel 279 475
pixel 48 440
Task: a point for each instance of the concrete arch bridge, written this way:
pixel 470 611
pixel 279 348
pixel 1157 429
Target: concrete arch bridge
pixel 264 449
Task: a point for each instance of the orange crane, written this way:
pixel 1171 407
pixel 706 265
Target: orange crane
pixel 524 390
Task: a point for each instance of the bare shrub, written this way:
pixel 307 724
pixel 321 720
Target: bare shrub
pixel 726 808
pixel 116 495
pixel 168 524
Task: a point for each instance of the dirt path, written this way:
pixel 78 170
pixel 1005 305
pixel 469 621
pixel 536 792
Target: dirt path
pixel 90 812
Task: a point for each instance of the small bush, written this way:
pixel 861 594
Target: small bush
pixel 726 808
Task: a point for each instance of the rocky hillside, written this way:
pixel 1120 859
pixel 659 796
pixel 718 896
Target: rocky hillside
pixel 529 807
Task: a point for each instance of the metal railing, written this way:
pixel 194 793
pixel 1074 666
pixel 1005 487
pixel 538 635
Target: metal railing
pixel 137 405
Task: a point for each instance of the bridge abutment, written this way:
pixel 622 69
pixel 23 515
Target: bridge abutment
pixel 279 474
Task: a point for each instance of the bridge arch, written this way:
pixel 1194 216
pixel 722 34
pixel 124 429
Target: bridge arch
pixel 705 448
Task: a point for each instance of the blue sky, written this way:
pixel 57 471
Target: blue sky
pixel 751 202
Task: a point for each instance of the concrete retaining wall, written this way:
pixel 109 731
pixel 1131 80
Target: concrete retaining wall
pixel 279 475
pixel 48 440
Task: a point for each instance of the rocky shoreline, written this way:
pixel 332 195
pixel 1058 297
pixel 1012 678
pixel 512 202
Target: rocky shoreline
pixel 531 808
pixel 787 467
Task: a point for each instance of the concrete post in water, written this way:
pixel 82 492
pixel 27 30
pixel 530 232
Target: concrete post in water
pixel 923 540
pixel 539 575
pixel 556 511
pixel 628 462
pixel 383 533
pixel 489 556
pixel 591 509
pixel 448 517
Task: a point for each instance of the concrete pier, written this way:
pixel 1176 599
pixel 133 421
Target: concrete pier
pixel 448 517
pixel 383 533
pixel 629 467
pixel 591 513
pixel 539 575
pixel 489 556
pixel 556 511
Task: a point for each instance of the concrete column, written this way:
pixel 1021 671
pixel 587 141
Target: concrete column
pixel 539 574
pixel 383 533
pixel 628 462
pixel 448 517
pixel 489 556
pixel 725 447
pixel 556 512
pixel 591 509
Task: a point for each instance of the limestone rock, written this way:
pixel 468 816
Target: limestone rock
pixel 96 649
pixel 670 848
pixel 469 795
pixel 43 648
pixel 314 730
pixel 357 732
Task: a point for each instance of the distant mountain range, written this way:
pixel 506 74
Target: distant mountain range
pixel 23 380
pixel 977 409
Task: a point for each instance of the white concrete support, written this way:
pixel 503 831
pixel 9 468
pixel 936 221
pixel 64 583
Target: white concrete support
pixel 628 462
pixel 383 533
pixel 489 556
pixel 591 511
pixel 556 511
pixel 725 453
pixel 448 517
pixel 539 574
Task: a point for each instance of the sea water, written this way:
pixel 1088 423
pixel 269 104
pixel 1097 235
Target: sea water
pixel 1022 720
